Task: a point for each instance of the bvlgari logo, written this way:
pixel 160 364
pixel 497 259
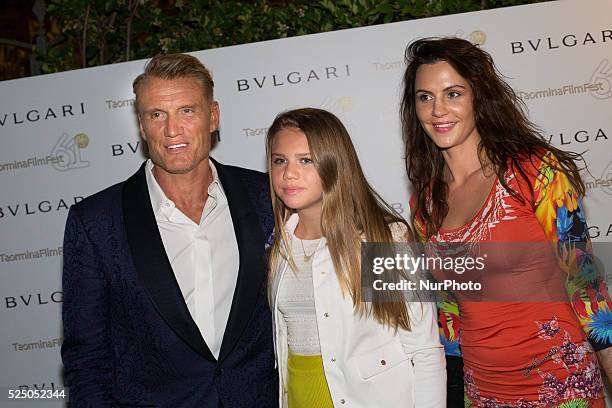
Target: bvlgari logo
pixel 577 136
pixel 37 207
pixel 130 148
pixel 38 114
pixel 33 299
pixel 293 77
pixel 561 41
pixel 600 230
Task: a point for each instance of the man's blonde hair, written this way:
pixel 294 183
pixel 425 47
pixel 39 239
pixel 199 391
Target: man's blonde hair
pixel 175 66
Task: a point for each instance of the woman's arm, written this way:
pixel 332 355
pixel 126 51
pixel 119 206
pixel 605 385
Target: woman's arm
pixel 559 210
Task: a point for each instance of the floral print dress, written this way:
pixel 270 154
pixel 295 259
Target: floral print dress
pixel 535 349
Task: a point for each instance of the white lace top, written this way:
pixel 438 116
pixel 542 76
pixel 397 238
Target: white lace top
pixel 296 300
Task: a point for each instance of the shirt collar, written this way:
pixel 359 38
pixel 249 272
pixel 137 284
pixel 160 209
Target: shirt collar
pixel 159 198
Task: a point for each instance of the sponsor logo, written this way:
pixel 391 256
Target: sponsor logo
pixel 50 385
pixel 338 106
pixel 120 149
pixel 70 150
pixel 563 90
pixel 477 37
pixel 31 162
pixel 580 136
pixel 122 103
pixel 65 155
pixel 604 182
pixel 250 132
pixel 602 75
pixel 293 78
pixel 38 345
pixel 37 114
pixel 31 254
pixel 33 299
pixel 389 66
pixel 39 207
pixel 560 42
pixel 399 208
pixel 600 231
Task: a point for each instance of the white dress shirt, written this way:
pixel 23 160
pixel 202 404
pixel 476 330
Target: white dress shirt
pixel 204 256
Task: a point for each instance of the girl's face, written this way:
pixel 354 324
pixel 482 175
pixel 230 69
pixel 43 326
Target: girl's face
pixel 294 177
pixel 444 106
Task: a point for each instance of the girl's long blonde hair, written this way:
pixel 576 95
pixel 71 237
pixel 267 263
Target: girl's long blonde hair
pixel 352 211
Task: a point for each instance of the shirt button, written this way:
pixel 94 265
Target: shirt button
pixel 383 362
pixel 342 401
pixel 333 359
pixel 326 314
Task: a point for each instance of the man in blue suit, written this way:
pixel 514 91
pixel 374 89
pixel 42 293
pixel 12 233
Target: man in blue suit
pixel 165 274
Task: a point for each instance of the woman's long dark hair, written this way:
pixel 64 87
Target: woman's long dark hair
pixel 508 137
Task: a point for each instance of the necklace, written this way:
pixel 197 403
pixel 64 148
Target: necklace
pixel 307 257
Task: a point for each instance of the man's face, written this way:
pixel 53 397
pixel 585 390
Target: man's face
pixel 176 121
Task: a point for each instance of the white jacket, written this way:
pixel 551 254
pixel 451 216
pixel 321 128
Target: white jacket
pixel 366 364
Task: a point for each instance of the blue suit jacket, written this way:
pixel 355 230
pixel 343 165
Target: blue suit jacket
pixel 129 339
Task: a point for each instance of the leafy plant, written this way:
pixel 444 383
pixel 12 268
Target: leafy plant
pixel 85 33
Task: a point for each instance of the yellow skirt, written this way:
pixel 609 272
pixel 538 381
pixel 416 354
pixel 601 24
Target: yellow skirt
pixel 306 383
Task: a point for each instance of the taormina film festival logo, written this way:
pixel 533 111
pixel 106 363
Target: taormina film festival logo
pixel 70 150
pixel 66 154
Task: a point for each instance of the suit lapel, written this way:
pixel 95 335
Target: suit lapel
pixel 252 270
pixel 152 264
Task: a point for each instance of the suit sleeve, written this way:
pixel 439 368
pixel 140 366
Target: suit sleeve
pixel 86 350
pixel 559 211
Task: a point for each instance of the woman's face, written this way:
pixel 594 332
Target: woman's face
pixel 294 177
pixel 445 106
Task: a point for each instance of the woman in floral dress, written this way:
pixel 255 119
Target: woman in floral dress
pixel 484 179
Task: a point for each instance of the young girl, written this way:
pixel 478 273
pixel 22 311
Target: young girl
pixel 333 347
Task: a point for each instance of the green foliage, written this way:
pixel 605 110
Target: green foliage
pixel 96 32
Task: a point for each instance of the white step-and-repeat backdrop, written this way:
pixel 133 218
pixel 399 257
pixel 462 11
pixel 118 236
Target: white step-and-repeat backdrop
pixel 65 136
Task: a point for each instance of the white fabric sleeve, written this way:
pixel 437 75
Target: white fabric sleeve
pixel 422 345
